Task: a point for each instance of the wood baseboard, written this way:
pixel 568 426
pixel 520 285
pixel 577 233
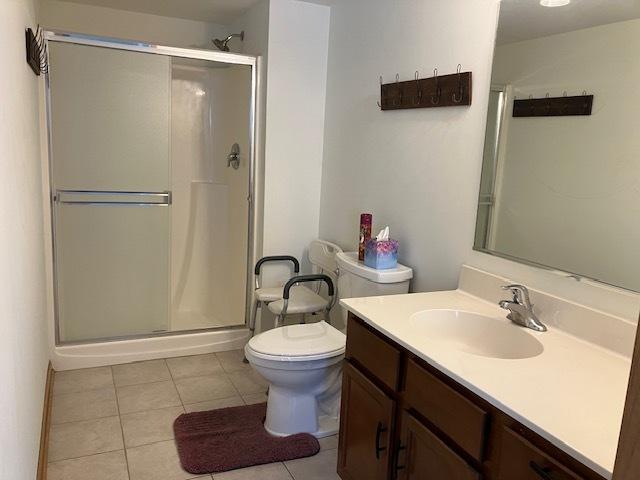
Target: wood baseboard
pixel 46 426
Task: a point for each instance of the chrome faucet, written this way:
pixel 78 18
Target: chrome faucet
pixel 521 309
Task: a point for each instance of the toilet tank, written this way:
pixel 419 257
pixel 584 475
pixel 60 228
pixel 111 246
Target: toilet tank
pixel 355 279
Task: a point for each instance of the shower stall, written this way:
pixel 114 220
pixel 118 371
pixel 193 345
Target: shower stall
pixel 151 174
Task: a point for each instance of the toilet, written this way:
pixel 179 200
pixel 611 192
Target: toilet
pixel 303 363
pixel 355 279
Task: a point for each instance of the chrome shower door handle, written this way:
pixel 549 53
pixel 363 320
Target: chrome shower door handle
pixel 233 159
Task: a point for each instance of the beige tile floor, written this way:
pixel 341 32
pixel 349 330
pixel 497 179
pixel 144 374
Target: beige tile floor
pixel 116 423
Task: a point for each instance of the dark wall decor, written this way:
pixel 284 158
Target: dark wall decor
pixel 553 106
pixel 36 51
pixel 438 91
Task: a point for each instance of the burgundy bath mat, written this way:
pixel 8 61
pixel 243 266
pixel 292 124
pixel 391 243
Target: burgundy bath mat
pixel 230 438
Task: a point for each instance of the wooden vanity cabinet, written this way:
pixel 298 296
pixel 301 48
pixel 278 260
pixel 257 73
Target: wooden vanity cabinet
pixel 403 419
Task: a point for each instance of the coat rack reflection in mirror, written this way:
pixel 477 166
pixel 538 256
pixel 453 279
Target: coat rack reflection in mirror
pixel 553 106
pixel 437 91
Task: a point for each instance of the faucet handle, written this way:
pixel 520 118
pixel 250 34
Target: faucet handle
pixel 520 294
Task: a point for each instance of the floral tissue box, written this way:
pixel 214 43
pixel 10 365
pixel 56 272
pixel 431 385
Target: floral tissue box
pixel 381 254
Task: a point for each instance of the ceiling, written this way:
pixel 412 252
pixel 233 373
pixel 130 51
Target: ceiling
pixel 527 19
pixel 212 11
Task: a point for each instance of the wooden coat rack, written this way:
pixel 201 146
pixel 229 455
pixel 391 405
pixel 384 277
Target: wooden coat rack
pixel 553 106
pixel 438 91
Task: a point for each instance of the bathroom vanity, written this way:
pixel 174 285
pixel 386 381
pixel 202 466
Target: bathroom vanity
pixel 416 406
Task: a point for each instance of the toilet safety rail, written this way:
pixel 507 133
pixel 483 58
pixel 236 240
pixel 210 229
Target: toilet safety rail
pixel 307 279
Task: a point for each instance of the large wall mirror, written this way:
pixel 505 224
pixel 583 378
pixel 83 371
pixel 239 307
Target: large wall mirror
pixel 560 183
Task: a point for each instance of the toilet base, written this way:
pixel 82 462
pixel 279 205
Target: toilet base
pixel 290 412
pixel 327 427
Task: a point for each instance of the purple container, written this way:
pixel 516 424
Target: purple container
pixel 381 255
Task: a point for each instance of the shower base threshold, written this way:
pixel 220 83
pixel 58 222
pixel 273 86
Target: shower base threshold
pixel 71 357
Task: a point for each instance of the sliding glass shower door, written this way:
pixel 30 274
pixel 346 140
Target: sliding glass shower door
pixel 150 218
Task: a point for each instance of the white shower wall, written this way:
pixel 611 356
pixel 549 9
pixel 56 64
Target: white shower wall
pixel 210 110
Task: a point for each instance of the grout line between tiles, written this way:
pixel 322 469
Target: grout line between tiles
pixel 173 380
pixel 150 410
pixel 288 471
pixel 85 419
pixel 208 399
pixel 87 456
pixel 79 392
pixel 143 383
pixel 153 443
pixel 57 394
pixel 124 444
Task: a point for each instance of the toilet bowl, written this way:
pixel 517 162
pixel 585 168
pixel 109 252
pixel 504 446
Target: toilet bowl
pixel 303 365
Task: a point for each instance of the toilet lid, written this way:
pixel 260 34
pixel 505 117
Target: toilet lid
pixel 317 340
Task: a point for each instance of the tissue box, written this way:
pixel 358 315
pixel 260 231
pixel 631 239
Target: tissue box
pixel 381 254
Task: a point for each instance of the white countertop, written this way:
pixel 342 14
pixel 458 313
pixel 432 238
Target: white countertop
pixel 572 394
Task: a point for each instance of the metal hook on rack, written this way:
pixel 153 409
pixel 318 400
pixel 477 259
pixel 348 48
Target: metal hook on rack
pixel 418 90
pixel 435 99
pixel 531 107
pixel 396 102
pixel 458 98
pixel 565 107
pixel 548 103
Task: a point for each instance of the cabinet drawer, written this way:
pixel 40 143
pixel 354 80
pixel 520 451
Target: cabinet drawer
pixel 373 353
pixel 450 412
pixel 426 457
pixel 520 459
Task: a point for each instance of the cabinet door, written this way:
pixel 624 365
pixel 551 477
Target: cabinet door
pixel 422 456
pixel 365 428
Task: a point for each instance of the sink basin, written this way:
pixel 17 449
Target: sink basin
pixel 476 334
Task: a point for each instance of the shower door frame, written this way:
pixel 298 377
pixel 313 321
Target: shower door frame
pixel 253 199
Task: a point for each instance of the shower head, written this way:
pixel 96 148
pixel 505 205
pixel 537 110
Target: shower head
pixel 223 45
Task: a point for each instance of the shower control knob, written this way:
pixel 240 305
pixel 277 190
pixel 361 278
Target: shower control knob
pixel 233 159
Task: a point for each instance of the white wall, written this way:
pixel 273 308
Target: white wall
pixel 574 176
pixel 23 349
pixel 255 24
pixel 109 22
pixel 296 86
pixel 415 170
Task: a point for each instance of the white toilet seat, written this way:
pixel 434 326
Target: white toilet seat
pixel 299 343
